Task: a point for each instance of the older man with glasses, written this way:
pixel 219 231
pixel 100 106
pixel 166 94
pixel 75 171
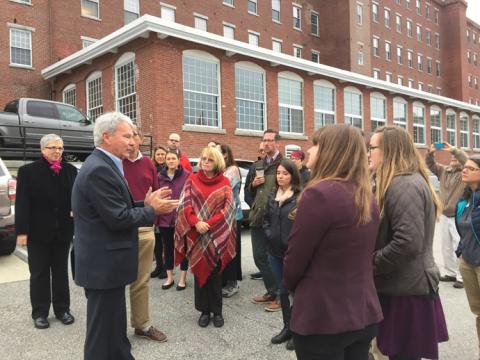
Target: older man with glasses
pixel 173 144
pixel 44 224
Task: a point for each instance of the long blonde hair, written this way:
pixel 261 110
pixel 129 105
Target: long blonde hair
pixel 400 157
pixel 342 156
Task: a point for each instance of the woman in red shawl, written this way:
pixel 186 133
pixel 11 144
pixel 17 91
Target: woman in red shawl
pixel 205 234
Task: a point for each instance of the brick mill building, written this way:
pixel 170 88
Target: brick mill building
pixel 227 70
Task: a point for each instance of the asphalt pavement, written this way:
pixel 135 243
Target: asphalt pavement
pixel 246 334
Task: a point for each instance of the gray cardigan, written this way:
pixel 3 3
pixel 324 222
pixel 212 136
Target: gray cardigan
pixel 403 258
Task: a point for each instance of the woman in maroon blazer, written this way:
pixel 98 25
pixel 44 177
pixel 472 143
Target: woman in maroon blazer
pixel 328 263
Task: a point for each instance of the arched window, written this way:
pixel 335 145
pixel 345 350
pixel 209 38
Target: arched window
pixel 93 90
pixel 290 102
pixel 476 131
pixel 70 94
pixel 324 103
pixel 464 130
pixel 125 86
pixel 435 124
pixel 451 127
pixel 419 123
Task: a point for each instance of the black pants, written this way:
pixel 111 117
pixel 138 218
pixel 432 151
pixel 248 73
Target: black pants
pixel 106 337
pixel 209 297
pixel 351 345
pixel 158 250
pixel 166 234
pixel 48 264
pixel 233 271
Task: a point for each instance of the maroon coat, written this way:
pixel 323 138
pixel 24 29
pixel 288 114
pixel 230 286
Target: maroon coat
pixel 328 263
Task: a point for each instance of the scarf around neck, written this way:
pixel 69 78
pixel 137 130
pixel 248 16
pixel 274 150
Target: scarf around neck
pixel 281 195
pixel 55 166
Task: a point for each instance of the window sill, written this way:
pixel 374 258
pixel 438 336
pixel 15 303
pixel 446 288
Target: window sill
pixel 276 22
pixel 203 129
pixel 229 5
pixel 19 66
pixel 91 17
pixel 252 13
pixel 292 136
pixel 246 132
pixel 21 2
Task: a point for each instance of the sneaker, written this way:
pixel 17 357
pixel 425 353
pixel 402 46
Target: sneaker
pixel 230 290
pixel 152 334
pixel 274 306
pixel 256 276
pixel 448 278
pixel 458 284
pixel 262 299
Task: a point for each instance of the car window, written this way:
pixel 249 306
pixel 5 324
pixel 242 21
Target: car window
pixel 12 107
pixel 41 109
pixel 69 113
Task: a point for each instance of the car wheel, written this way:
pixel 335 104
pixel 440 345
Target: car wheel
pixel 70 157
pixel 7 247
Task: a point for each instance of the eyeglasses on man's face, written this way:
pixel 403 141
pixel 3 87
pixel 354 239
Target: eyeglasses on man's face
pixel 54 148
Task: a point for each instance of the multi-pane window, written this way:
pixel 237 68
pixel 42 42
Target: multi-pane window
pixel 410 58
pixel 353 108
pixel 315 23
pixel 90 8
pixel 420 62
pixel 201 23
pixel 475 58
pixel 400 113
pixel 388 51
pixel 464 131
pixel 253 38
pixel 437 41
pixel 409 3
pixel 297 51
pixel 250 98
pixel 420 86
pixel 131 10
pixel 476 132
pixel 94 96
pixel 398 23
pixel 277 46
pixel 400 80
pixel 276 10
pixel 315 56
pixel 20 47
pixel 451 128
pixel 324 104
pixel 360 59
pixel 376 74
pixel 427 11
pixel 386 14
pixel 252 6
pixel 87 41
pixel 409 28
pixel 419 124
pixel 297 17
pixel 375 46
pixel 375 12
pixel 410 83
pixel 436 16
pixel 435 125
pixel 359 14
pixel 388 77
pixel 399 55
pixel 126 93
pixel 378 110
pixel 419 7
pixel 429 66
pixel 228 31
pixel 167 12
pixel 290 103
pixel 419 33
pixel 469 57
pixel 229 2
pixel 201 95
pixel 437 68
pixel 70 95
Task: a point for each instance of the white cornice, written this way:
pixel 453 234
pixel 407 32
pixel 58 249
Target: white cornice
pixel 165 28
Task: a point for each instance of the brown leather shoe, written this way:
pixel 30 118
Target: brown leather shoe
pixel 152 334
pixel 262 299
pixel 273 306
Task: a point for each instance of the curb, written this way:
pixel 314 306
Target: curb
pixel 21 253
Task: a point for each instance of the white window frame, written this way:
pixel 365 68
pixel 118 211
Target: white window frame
pixel 124 60
pixel 409 28
pixel 464 134
pixel 387 18
pixel 400 80
pixel 228 27
pixel 435 128
pixel 399 55
pixel 400 101
pixel 90 16
pixel 27 30
pixel 388 76
pixel 312 30
pixel 297 16
pixel 131 7
pixel 297 50
pixel 353 91
pixel 168 12
pixel 230 3
pixel 69 94
pixel 248 66
pixel 375 12
pixel 420 62
pixel 398 23
pixel 376 73
pixel 451 131
pixel 476 131
pixel 376 49
pixel 204 56
pixel 419 125
pixel 253 38
pixel 419 32
pixel 256 7
pixel 316 53
pixel 277 43
pixel 87 41
pixel 359 13
pixel 318 110
pixel 410 58
pixel 388 50
pixel 289 76
pixel 93 111
pixel 201 22
pixel 377 99
pixel 276 9
pixel 437 41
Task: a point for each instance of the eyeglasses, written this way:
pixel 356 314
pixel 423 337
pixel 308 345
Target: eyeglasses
pixel 54 148
pixel 268 140
pixel 471 168
pixel 370 148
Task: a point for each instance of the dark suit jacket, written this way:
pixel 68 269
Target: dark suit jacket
pixel 106 225
pixel 43 203
pixel 328 263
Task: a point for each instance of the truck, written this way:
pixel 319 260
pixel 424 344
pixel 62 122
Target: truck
pixel 24 121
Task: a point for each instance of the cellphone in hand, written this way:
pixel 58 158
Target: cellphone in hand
pixel 439 146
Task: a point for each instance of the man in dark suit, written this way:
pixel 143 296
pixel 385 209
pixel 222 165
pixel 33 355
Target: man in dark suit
pixel 106 236
pixel 44 223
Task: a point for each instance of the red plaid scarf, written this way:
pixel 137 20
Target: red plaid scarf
pixel 203 251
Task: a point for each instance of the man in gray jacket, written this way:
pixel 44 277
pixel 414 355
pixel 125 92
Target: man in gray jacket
pixel 451 189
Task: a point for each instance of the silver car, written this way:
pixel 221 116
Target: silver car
pixel 8 187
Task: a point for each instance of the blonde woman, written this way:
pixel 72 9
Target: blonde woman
pixel 406 276
pixel 328 263
pixel 205 233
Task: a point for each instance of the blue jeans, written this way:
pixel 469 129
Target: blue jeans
pixel 276 264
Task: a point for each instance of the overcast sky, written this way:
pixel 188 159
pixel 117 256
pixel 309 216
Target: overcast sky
pixel 473 10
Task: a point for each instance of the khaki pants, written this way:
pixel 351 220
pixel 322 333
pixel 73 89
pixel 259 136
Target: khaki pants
pixel 375 351
pixel 471 281
pixel 139 290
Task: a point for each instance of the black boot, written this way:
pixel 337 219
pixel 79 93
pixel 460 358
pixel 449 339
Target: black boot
pixel 158 251
pixel 284 334
pixel 290 346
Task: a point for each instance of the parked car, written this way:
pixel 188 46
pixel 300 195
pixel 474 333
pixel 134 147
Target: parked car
pixel 7 218
pixel 24 121
pixel 244 166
